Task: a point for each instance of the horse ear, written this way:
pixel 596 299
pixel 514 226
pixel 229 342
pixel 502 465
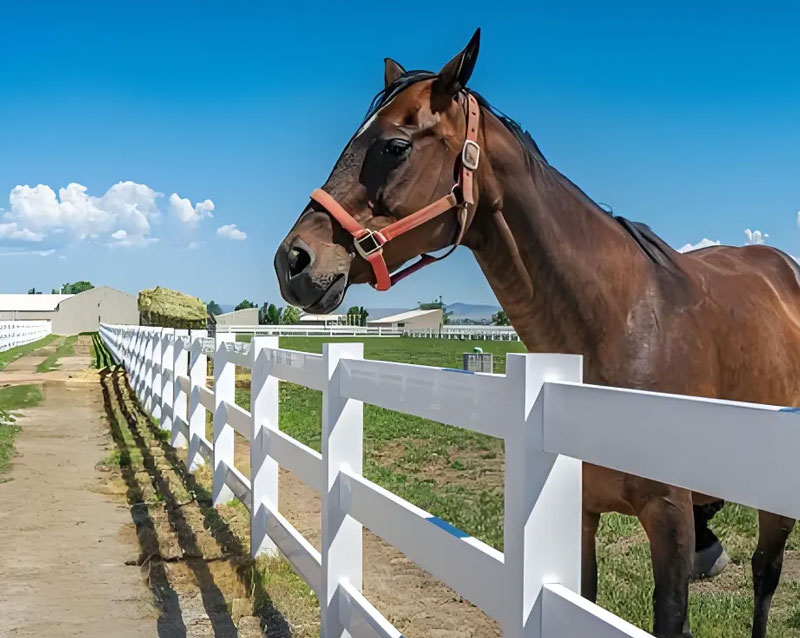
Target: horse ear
pixel 392 71
pixel 455 74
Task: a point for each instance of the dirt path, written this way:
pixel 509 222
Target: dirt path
pixel 93 546
pixel 63 544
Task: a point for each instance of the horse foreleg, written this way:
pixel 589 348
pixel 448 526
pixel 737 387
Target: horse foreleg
pixel 589 556
pixel 773 530
pixel 666 515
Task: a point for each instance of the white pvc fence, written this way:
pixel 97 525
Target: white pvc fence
pixel 19 333
pixel 485 333
pixel 299 330
pixel 547 417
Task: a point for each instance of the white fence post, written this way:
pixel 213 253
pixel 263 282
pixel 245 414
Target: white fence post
pixel 180 368
pixel 166 390
pixel 342 447
pixel 198 371
pixel 154 400
pixel 224 391
pixel 542 534
pixel 147 369
pixel 263 469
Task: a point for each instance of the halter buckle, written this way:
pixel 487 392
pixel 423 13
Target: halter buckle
pixel 368 244
pixel 470 155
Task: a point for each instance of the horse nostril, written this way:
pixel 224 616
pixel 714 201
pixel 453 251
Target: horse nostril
pixel 299 260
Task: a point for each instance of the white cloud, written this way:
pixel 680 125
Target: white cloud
pixel 181 207
pixel 230 231
pixel 755 237
pixel 126 206
pixel 37 253
pixel 13 231
pixel 120 234
pixel 196 244
pixel 703 243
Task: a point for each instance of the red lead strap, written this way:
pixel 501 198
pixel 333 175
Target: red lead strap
pixel 369 243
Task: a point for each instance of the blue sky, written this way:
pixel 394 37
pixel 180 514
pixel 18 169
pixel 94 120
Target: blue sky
pixel 686 117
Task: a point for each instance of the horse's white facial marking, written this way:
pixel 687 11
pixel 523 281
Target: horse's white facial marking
pixel 367 124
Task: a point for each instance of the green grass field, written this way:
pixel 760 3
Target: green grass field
pixel 8 356
pixel 14 398
pixel 458 475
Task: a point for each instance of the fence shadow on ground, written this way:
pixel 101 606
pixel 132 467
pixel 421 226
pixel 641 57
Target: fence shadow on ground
pixel 158 459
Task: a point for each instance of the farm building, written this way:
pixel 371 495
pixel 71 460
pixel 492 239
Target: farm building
pixel 411 320
pixel 73 314
pixel 21 307
pixel 322 320
pixel 244 317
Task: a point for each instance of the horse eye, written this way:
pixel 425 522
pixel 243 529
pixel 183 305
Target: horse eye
pixel 397 147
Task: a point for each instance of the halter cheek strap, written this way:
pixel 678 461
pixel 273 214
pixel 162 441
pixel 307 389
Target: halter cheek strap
pixel 369 243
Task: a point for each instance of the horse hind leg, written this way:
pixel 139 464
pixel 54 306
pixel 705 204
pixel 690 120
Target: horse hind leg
pixel 773 530
pixel 666 515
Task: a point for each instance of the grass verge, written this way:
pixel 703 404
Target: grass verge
pixel 65 349
pixel 101 357
pixel 14 398
pixel 7 356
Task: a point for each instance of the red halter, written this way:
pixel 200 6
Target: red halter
pixel 369 243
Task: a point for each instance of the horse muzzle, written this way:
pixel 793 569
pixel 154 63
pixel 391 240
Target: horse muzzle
pixel 302 284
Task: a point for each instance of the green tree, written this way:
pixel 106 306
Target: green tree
pixel 243 305
pixel 291 315
pixel 274 315
pixel 270 315
pixel 357 316
pixel 500 318
pixel 77 287
pixel 213 308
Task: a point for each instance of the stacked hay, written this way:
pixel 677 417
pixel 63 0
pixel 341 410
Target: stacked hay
pixel 171 309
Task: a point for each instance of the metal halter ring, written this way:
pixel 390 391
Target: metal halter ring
pixel 470 155
pixel 368 244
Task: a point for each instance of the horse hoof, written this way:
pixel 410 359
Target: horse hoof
pixel 710 562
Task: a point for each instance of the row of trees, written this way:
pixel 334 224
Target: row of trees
pixel 66 289
pixel 268 313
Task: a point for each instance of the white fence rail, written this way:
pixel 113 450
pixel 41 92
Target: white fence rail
pixel 549 420
pixel 485 333
pixel 299 330
pixel 19 333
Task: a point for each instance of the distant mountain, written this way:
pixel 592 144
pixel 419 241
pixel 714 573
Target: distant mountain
pixel 473 312
pixel 380 313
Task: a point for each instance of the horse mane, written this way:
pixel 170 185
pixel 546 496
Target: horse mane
pixel 655 248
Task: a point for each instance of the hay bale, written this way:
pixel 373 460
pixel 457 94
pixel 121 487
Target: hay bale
pixel 171 309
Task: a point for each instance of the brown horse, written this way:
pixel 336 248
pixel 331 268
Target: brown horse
pixel 721 322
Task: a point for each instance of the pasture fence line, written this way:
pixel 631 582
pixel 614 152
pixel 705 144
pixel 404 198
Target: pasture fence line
pixel 20 333
pixel 450 331
pixel 299 330
pixel 550 422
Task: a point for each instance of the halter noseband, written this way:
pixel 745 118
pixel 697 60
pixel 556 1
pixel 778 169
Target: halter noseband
pixel 369 243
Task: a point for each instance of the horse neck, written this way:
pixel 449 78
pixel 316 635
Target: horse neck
pixel 565 272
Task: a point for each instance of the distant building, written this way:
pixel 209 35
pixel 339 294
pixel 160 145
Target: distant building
pixel 322 320
pixel 243 317
pixel 411 320
pixel 73 314
pixel 19 307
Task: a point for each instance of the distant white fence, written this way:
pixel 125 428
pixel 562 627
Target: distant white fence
pixel 547 417
pixel 19 333
pixel 484 333
pixel 299 330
